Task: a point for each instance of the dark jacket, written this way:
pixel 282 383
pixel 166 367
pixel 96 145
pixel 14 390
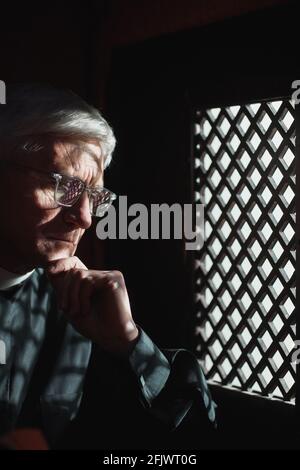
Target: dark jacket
pixel 83 397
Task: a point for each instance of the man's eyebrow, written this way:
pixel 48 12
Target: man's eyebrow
pixel 72 156
pixel 95 157
pixel 97 160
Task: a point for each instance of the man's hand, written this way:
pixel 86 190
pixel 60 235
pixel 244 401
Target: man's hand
pixel 95 302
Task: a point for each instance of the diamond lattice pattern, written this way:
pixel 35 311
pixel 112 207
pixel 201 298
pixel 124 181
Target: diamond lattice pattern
pixel 245 272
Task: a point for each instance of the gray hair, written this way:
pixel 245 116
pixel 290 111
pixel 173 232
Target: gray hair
pixel 34 112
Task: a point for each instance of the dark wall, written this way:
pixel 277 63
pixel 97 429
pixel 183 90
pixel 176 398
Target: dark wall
pixel 153 87
pixel 136 20
pixel 43 44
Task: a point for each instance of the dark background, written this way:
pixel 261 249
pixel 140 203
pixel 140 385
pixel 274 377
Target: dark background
pixel 145 64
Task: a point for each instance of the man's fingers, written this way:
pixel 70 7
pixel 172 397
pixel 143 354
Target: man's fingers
pixel 76 285
pixel 85 295
pixel 63 282
pixel 64 264
pixel 73 291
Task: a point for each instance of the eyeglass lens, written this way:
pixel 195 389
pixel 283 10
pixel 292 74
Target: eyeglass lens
pixel 68 192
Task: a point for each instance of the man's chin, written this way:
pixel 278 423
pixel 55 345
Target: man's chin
pixel 56 250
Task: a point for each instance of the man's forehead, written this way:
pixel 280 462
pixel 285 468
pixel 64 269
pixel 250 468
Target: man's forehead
pixel 83 159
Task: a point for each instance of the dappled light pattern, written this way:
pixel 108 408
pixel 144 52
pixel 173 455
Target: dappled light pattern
pixel 245 272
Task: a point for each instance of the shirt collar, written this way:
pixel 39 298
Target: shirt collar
pixel 8 279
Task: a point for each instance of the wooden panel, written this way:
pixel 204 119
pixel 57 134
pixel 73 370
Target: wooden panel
pixel 135 20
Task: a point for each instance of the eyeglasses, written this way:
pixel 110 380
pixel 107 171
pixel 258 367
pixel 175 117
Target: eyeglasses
pixel 69 189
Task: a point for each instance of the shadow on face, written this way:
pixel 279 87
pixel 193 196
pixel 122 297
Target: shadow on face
pixel 36 230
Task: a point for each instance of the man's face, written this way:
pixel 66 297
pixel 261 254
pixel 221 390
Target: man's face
pixel 33 230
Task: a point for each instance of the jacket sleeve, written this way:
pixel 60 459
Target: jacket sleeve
pixel 170 382
pixel 139 402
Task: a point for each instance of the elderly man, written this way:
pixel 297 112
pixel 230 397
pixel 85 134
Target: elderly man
pixel 54 149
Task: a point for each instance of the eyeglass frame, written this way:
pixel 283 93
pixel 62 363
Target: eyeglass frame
pixel 88 189
pixel 55 175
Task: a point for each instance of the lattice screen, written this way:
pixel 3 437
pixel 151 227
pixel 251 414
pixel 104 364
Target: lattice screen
pixel 245 272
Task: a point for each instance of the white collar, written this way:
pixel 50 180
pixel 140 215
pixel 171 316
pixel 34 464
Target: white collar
pixel 8 279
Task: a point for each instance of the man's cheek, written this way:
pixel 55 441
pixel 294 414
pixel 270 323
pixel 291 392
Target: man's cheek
pixel 42 199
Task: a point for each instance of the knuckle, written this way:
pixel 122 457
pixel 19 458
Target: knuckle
pixel 118 276
pixel 77 273
pixel 116 282
pixel 78 263
pixel 80 274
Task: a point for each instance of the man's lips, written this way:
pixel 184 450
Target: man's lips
pixel 61 239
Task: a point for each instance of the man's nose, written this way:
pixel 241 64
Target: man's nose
pixel 79 214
